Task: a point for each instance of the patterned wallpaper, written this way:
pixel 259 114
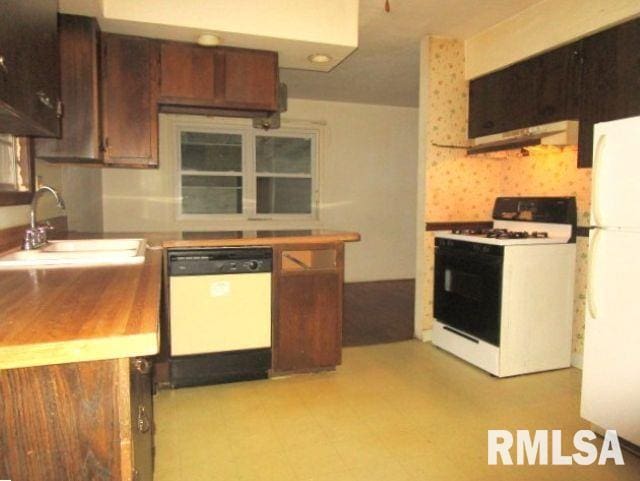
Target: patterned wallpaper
pixel 461 188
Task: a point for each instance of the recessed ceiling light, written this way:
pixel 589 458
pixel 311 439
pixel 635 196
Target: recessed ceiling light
pixel 208 40
pixel 319 58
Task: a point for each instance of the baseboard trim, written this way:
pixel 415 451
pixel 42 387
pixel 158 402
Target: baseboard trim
pixel 576 359
pixel 425 335
pixel 379 281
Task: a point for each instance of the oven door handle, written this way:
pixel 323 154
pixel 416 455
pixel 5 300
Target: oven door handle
pixel 480 257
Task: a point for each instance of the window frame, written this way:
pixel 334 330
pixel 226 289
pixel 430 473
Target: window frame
pixel 249 174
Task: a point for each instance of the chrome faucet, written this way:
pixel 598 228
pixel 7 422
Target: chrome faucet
pixel 36 236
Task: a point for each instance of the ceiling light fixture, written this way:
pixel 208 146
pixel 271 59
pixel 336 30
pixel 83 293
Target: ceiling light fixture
pixel 208 40
pixel 319 58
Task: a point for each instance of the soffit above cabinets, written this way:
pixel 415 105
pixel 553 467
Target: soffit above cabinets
pixel 295 30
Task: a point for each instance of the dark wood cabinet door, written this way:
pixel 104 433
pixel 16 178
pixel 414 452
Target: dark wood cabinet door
pixel 187 74
pixel 29 68
pixel 610 81
pixel 142 423
pixel 60 422
pixel 310 321
pixel 556 85
pixel 248 78
pixel 308 307
pixel 81 134
pixel 485 105
pixel 130 77
pixel 502 100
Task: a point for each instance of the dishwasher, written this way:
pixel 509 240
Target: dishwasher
pixel 219 315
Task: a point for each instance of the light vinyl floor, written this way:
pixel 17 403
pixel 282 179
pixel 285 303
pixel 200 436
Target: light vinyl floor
pixel 396 412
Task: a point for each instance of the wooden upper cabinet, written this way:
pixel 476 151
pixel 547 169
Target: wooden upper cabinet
pixel 230 81
pixel 81 134
pixel 187 74
pixel 29 68
pixel 610 81
pixel 537 91
pixel 130 85
pixel 556 77
pixel 249 79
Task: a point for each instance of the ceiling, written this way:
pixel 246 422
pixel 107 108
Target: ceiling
pixel 294 29
pixel 385 68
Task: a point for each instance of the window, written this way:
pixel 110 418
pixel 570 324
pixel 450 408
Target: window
pixel 16 172
pixel 239 172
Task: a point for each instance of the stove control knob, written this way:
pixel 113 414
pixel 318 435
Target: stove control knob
pixel 252 265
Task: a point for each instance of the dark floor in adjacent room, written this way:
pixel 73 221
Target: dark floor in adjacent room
pixel 378 312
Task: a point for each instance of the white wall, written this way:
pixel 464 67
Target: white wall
pixel 13 215
pixel 542 27
pixel 81 188
pixel 368 184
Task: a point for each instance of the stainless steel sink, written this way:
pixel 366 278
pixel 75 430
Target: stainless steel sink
pixel 78 253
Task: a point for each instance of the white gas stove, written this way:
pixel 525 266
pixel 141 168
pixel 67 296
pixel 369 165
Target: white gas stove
pixel 503 297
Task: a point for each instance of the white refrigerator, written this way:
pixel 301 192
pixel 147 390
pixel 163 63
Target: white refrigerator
pixel 611 363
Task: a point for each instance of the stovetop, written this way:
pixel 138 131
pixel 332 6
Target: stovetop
pixel 502 233
pixel 514 238
pixel 525 221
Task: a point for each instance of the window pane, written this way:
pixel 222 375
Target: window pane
pixel 209 194
pixel 206 151
pixel 283 155
pixel 7 163
pixel 281 195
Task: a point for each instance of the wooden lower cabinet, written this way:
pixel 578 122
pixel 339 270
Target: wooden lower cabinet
pixel 81 421
pixel 308 282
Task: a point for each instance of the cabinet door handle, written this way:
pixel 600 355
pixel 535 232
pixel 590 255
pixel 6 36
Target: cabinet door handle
pixel 144 423
pixel 591 292
pixel 45 100
pixel 3 65
pixel 595 188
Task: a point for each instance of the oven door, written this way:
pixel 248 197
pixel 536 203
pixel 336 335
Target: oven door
pixel 468 291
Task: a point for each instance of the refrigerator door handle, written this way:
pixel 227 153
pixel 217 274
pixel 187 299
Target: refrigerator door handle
pixel 595 195
pixel 591 303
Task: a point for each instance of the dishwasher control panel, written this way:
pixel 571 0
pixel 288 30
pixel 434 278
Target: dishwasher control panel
pixel 194 262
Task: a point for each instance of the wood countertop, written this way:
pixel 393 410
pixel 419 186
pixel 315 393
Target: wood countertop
pixel 63 315
pixel 250 238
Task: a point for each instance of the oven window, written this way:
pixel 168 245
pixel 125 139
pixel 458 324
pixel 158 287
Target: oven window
pixel 462 284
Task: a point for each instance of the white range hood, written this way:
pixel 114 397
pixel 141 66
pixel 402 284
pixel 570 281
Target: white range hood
pixel 556 134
